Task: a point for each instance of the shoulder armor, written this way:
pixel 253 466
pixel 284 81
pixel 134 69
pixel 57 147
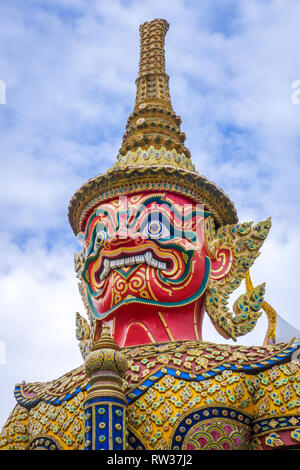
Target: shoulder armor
pixel 188 360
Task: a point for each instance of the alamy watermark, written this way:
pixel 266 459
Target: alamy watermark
pixel 2 92
pixel 162 220
pixel 295 97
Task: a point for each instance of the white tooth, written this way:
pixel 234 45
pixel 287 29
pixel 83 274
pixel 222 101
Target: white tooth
pixel 119 262
pixel 105 269
pixel 139 259
pixel 113 263
pixel 131 260
pixel 154 263
pixel 126 261
pixel 148 257
pixel 161 265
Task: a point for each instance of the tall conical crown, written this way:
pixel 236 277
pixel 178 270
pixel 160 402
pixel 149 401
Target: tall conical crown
pixel 152 155
pixel 153 121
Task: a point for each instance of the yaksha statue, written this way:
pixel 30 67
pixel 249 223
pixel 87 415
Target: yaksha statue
pixel 162 245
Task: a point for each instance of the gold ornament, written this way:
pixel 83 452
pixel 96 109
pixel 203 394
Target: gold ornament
pixel 243 241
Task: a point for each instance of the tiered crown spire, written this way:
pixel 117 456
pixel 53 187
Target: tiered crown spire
pixel 153 121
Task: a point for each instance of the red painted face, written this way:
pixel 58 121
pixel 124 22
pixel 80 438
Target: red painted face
pixel 145 248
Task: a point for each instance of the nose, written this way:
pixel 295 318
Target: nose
pixel 123 237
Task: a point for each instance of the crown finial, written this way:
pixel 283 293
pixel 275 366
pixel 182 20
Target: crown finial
pixel 153 149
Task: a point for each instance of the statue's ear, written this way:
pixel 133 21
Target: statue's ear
pixel 221 264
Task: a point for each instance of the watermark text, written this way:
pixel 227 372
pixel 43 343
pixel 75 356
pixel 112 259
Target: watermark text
pixel 2 92
pixel 295 97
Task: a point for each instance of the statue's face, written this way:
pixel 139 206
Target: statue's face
pixel 146 248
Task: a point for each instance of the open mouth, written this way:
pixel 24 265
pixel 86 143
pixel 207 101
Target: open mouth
pixel 148 258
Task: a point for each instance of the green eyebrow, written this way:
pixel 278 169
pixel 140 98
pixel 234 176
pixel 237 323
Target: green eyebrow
pixel 156 215
pixel 99 226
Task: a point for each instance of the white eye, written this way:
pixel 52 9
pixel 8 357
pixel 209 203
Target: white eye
pixel 156 229
pixel 100 239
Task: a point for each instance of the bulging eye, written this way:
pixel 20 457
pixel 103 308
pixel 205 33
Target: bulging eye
pixel 156 229
pixel 100 239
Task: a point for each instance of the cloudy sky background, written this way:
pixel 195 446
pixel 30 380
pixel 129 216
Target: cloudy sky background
pixel 69 67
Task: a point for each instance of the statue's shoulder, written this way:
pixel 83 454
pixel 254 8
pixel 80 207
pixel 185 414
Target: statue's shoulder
pixel 200 360
pixel 55 391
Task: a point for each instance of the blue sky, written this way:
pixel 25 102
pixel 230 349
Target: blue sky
pixel 69 67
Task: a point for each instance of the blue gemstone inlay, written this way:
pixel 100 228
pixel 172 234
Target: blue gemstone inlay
pixel 30 402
